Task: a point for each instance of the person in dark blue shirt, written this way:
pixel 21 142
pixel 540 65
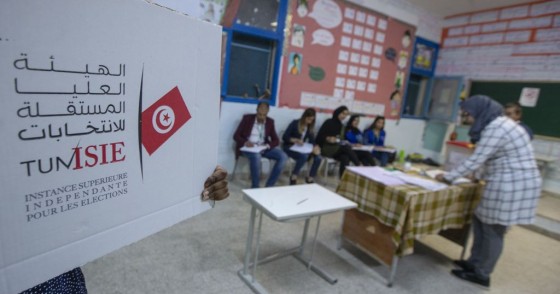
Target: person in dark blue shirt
pixel 375 135
pixel 302 131
pixel 514 111
pixel 354 136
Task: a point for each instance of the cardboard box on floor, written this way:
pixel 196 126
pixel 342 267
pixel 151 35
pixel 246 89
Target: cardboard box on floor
pixel 109 120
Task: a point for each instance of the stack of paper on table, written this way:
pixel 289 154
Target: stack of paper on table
pixel 395 178
pixel 424 183
pixel 433 173
pixel 306 148
pixel 377 174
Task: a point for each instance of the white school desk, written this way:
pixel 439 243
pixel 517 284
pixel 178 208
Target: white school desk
pixel 543 162
pixel 288 203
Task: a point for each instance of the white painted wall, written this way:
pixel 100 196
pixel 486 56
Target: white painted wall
pixel 428 24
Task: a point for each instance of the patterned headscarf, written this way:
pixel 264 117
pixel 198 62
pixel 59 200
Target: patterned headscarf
pixel 484 110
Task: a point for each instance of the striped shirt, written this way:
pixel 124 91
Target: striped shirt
pixel 513 182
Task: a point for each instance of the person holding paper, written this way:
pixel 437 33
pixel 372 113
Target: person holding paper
pixel 329 139
pixel 354 136
pixel 74 282
pixel 513 184
pixel 299 132
pixel 375 135
pixel 257 130
pixel 514 111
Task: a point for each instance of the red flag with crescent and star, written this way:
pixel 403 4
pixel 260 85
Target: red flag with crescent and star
pixel 162 119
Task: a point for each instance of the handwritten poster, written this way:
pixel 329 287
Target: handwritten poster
pixel 357 57
pixel 529 97
pixel 101 115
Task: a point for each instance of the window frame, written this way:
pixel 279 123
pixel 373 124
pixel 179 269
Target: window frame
pixel 277 37
pixel 427 74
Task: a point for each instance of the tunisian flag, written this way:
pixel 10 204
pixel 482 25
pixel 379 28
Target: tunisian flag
pixel 162 119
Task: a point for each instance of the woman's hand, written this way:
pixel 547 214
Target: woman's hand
pixel 440 178
pixel 249 144
pixel 331 139
pixel 316 150
pixel 215 186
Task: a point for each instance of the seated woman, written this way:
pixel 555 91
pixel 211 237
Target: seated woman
pixel 375 135
pixel 298 132
pixel 354 136
pixel 328 138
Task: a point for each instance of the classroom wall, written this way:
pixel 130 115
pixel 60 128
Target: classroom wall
pixel 515 43
pixel 405 134
pixel 428 24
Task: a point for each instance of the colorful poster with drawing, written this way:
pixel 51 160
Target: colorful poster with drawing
pixel 294 67
pixel 354 56
pixel 298 36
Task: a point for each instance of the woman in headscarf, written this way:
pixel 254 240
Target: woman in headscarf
pixel 356 139
pixel 513 184
pixel 329 139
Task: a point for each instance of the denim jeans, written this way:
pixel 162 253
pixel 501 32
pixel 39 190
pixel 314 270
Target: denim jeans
pixel 275 154
pixel 301 158
pixel 383 157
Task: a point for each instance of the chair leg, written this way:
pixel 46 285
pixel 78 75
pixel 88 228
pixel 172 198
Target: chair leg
pixel 232 176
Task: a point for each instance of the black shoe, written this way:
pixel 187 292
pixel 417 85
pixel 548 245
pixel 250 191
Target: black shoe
pixel 293 181
pixel 471 277
pixel 464 265
pixel 309 180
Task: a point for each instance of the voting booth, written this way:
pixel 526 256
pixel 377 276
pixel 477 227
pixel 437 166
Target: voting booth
pixel 103 104
pixel 456 152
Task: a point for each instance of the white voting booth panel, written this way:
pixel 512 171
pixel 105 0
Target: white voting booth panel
pixel 103 104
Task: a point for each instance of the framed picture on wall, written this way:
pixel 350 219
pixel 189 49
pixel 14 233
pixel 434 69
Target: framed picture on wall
pixel 425 57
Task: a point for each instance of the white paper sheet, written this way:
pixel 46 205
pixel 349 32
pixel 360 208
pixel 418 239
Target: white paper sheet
pixel 254 149
pixel 433 173
pixel 306 148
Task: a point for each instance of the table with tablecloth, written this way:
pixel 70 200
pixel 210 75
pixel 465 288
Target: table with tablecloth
pixel 410 211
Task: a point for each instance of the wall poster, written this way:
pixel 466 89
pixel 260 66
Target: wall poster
pixel 353 56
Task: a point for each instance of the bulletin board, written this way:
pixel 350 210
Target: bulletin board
pixel 543 118
pixel 338 53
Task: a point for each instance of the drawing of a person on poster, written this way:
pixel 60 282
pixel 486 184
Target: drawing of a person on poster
pixel 294 66
pixel 302 8
pixel 298 36
pixel 396 100
pixel 406 39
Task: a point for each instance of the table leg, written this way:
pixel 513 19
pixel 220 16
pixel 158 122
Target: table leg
pixel 393 270
pixel 249 245
pixel 314 242
pixel 258 246
pixel 309 263
pixel 339 241
pixel 304 237
pixel 466 242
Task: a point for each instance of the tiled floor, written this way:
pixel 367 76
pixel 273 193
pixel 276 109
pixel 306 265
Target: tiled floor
pixel 203 254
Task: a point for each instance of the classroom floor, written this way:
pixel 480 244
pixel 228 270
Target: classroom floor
pixel 204 253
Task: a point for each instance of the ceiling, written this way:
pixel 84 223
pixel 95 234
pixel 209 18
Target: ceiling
pixel 452 7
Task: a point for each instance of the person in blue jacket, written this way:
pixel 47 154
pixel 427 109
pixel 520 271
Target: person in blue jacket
pixel 298 132
pixel 355 138
pixel 375 135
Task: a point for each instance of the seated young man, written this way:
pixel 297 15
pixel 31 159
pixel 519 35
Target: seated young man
pixel 258 130
pixel 513 110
